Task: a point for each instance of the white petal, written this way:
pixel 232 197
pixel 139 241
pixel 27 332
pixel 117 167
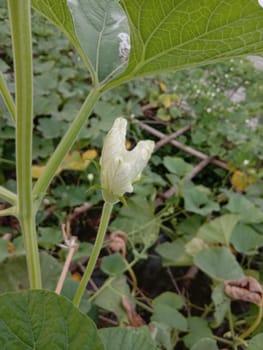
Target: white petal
pixel 260 2
pixel 119 167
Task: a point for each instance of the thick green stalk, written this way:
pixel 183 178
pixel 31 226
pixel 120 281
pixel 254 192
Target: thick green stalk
pixel 65 145
pixel 7 97
pixel 105 217
pixel 20 20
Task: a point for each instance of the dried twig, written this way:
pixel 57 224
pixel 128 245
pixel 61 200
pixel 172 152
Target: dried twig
pixel 174 135
pixel 71 243
pixel 181 146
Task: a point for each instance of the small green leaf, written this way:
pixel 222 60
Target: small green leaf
pixel 218 230
pixel 198 329
pixel 128 339
pixel 169 298
pixel 40 319
pixel 177 166
pixel 14 276
pixel 221 302
pixel 173 253
pixel 113 264
pixel 197 200
pixel 169 316
pixel 111 294
pixel 239 204
pixel 100 26
pixel 256 342
pixel 138 221
pixel 218 263
pixel 205 344
pixel 245 239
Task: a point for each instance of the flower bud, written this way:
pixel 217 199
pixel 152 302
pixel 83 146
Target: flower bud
pixel 119 167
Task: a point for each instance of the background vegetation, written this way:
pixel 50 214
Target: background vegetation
pixel 155 271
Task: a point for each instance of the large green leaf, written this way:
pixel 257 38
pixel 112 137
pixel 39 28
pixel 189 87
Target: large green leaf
pixel 176 34
pixel 44 320
pixel 58 13
pixel 128 339
pixel 218 263
pixel 103 31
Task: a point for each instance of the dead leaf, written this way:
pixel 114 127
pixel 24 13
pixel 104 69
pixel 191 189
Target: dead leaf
pixel 118 242
pixel 245 289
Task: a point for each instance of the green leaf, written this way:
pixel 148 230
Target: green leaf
pixel 40 319
pixel 128 339
pixel 198 329
pixel 197 200
pixel 218 230
pixel 221 302
pixel 13 273
pixel 256 342
pixel 239 204
pixel 111 294
pixel 205 344
pixel 172 35
pixel 218 263
pixel 113 264
pixel 245 239
pixel 3 249
pixel 169 298
pixel 138 221
pixel 169 316
pixel 173 253
pixel 177 166
pixel 165 310
pixel 58 13
pixel 100 26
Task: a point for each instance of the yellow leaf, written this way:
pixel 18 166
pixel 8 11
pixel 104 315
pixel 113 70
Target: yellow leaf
pixel 163 86
pixel 165 99
pixel 74 161
pixel 37 171
pixel 90 154
pixel 76 276
pixel 240 180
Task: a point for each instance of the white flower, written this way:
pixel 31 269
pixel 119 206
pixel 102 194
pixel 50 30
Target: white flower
pixel 119 167
pixel 260 2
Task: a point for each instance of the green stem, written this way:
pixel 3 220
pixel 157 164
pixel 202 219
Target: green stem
pixel 64 146
pixel 20 20
pixel 105 217
pixel 8 196
pixel 7 97
pixel 254 325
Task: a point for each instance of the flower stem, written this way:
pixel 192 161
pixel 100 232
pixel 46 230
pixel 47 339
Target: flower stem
pixel 20 20
pixel 105 217
pixel 64 146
